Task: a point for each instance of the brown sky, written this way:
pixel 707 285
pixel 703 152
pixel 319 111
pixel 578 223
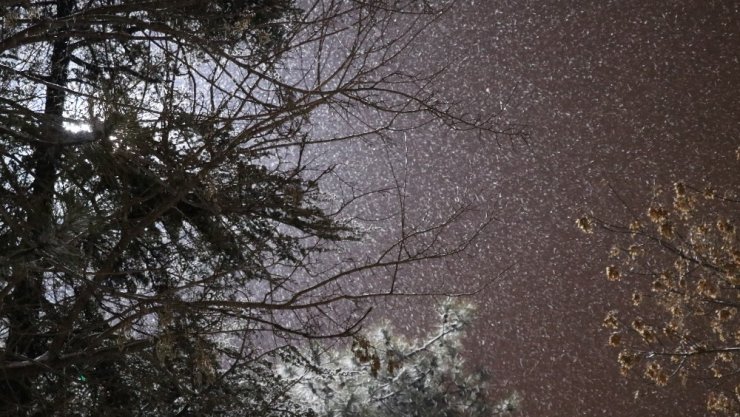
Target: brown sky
pixel 620 94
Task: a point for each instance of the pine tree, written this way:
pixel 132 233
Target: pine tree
pixel 383 374
pixel 161 225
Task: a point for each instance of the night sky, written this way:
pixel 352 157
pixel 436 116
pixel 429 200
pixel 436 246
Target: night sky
pixel 618 98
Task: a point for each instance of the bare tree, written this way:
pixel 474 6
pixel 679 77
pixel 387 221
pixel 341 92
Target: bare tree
pixel 160 217
pixel 681 260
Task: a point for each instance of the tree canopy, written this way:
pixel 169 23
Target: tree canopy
pixel 161 223
pixel 383 374
pixel 680 260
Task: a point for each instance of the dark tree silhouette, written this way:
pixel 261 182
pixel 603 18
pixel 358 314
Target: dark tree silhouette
pixel 161 226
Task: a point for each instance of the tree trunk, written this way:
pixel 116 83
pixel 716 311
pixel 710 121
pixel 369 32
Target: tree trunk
pixel 26 339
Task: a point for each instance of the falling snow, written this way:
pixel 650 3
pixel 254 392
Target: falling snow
pixel 618 97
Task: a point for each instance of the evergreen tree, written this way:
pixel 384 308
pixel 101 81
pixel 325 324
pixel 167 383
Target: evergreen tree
pixel 160 222
pixel 383 374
